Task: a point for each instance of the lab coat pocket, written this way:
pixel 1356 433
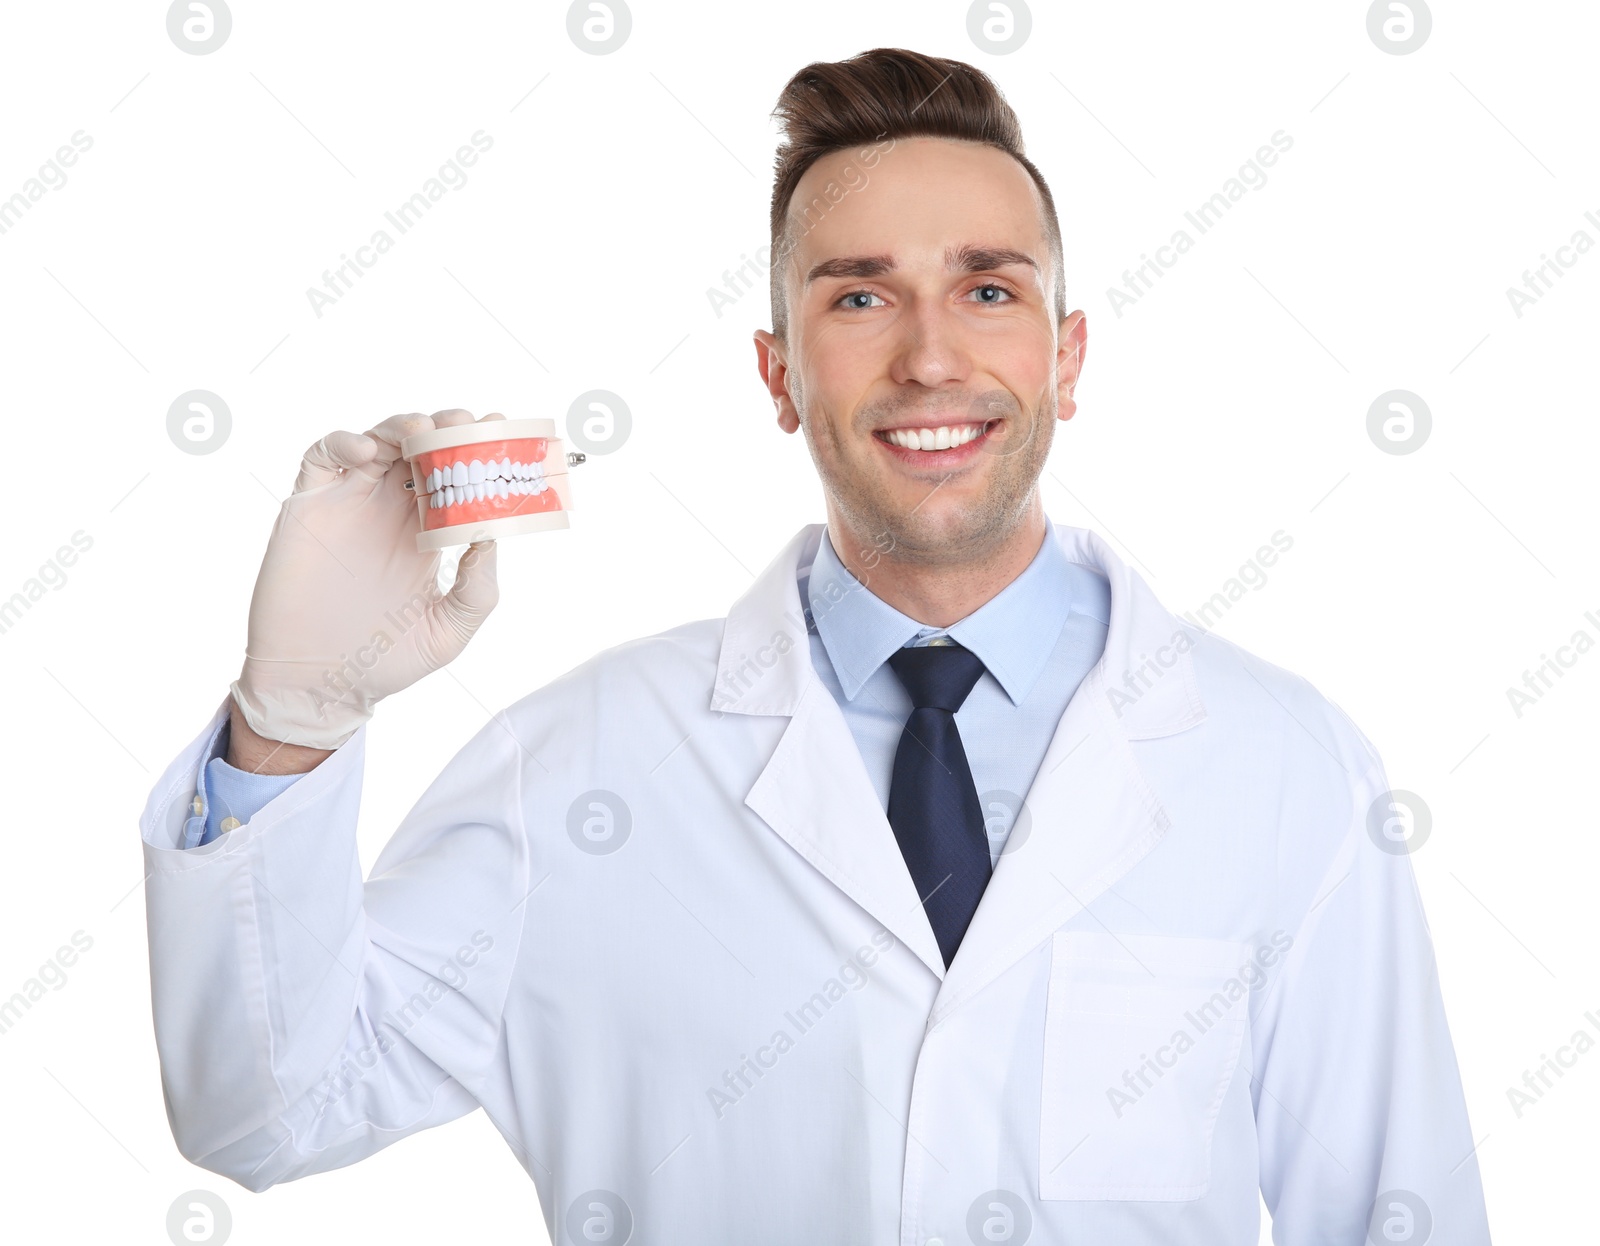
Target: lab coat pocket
pixel 1142 1036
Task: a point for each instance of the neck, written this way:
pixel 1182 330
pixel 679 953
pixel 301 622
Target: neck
pixel 938 591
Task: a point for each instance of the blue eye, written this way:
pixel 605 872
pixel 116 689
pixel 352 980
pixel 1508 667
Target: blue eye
pixel 1000 289
pixel 858 294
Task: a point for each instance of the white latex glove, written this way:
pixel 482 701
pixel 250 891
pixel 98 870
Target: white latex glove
pixel 346 611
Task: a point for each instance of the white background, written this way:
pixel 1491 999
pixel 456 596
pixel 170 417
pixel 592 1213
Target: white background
pixel 1228 403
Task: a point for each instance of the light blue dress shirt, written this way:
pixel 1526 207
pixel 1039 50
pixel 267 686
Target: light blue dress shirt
pixel 1037 638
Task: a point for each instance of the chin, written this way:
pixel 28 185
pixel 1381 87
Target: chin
pixel 953 527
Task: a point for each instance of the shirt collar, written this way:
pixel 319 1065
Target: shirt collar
pixel 1013 633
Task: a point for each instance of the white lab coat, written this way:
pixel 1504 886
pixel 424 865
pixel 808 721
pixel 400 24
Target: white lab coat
pixel 1195 971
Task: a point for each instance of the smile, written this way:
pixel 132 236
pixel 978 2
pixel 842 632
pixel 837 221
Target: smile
pixel 936 439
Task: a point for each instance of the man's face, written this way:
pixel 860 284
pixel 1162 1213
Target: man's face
pixel 922 300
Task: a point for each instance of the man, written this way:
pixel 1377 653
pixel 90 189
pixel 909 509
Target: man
pixel 745 932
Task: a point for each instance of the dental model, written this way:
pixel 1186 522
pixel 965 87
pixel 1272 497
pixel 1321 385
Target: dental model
pixel 493 478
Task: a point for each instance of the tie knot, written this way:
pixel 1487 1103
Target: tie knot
pixel 937 676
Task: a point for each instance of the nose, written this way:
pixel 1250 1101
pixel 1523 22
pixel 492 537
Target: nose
pixel 930 350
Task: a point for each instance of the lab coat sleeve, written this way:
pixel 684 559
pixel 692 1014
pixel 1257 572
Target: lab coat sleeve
pixel 1357 1093
pixel 304 1019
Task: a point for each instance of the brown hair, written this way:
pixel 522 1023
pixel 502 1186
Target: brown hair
pixel 873 99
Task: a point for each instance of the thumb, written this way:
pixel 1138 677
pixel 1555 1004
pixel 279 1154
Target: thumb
pixel 475 592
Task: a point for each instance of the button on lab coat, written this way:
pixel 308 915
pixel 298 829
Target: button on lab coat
pixel 653 920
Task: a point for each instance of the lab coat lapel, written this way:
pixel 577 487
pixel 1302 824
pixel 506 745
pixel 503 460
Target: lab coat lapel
pixel 1091 815
pixel 816 794
pixel 814 790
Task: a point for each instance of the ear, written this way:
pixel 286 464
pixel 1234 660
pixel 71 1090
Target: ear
pixel 1074 340
pixel 771 360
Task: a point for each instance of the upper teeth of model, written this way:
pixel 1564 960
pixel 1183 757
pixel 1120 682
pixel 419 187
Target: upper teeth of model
pixel 477 480
pixel 946 437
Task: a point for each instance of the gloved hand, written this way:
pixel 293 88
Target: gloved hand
pixel 346 611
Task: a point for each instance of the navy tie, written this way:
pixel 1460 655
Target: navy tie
pixel 933 802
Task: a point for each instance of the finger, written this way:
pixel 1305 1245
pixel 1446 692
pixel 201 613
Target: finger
pixel 336 453
pixel 451 418
pixel 493 415
pixel 475 591
pixel 388 435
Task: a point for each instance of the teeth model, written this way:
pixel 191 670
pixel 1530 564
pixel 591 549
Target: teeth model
pixel 488 479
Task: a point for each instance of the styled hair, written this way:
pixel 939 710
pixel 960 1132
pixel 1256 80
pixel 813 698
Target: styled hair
pixel 868 102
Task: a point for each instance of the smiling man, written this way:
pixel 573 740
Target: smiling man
pixel 950 889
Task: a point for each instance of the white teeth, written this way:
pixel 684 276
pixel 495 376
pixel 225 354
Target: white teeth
pixel 462 482
pixel 946 437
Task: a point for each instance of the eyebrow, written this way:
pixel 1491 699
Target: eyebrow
pixel 963 259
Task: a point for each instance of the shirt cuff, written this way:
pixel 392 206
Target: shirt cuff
pixel 228 797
